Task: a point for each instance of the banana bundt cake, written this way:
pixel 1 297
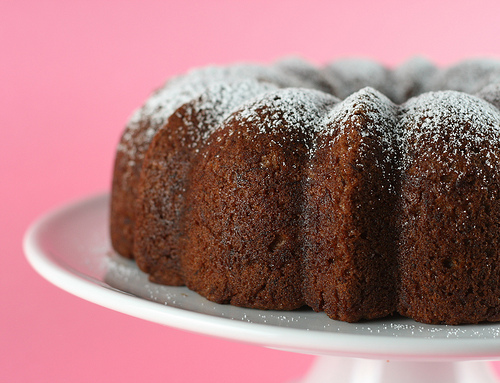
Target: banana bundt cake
pixel 354 189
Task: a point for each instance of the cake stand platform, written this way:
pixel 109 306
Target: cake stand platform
pixel 70 247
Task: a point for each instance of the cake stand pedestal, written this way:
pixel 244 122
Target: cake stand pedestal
pixel 351 370
pixel 70 248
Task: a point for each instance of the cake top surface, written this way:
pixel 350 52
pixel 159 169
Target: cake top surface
pixel 350 75
pixel 344 77
pixel 468 76
pixel 371 113
pixel 298 108
pixel 219 100
pixel 348 79
pixel 458 124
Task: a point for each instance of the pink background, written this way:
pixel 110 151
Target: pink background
pixel 71 72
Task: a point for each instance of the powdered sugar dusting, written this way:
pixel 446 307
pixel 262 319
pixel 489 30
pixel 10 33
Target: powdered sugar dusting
pixel 460 125
pixel 378 119
pixel 491 93
pixel 468 76
pixel 347 76
pixel 344 77
pixel 305 74
pixel 183 89
pixel 412 78
pixel 300 109
pixel 217 103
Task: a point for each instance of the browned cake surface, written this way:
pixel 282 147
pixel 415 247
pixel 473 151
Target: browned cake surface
pixel 133 145
pixel 127 170
pixel 449 251
pixel 350 232
pixel 166 176
pixel 147 120
pixel 243 228
pixel 161 198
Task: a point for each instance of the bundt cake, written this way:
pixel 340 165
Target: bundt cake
pixel 354 189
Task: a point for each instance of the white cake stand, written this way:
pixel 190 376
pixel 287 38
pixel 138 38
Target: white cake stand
pixel 70 248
